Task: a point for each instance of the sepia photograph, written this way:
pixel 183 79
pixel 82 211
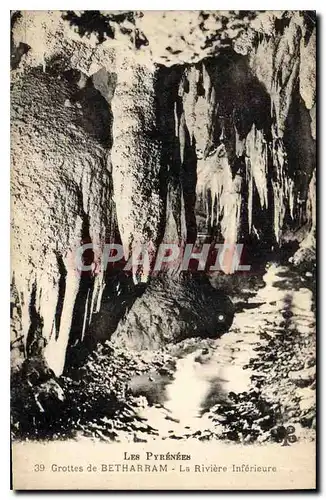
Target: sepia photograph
pixel 163 249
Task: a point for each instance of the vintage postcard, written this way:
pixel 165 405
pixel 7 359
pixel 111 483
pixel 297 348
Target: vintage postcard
pixel 163 250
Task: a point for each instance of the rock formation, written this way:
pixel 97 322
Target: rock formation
pixel 150 127
pixel 171 311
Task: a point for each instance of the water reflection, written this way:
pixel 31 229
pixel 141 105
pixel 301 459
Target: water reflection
pixel 207 373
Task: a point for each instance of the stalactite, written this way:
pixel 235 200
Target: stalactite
pixel 136 156
pixel 98 289
pixel 278 183
pixel 197 104
pixel 276 63
pixel 257 162
pixel 213 124
pixel 22 285
pixel 307 73
pixel 48 296
pixel 55 350
pixel 306 254
pixel 188 179
pixel 250 181
pixel 215 176
pixel 313 122
pixel 312 205
pixel 60 182
pixel 175 230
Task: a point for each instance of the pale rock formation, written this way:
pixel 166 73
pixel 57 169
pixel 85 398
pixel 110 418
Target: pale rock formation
pixel 146 127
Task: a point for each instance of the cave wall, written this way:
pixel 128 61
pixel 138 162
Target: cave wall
pixel 260 150
pixel 122 133
pixel 60 188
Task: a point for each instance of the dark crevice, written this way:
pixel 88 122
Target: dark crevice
pixel 311 22
pixel 97 113
pixel 188 181
pixel 85 287
pixel 301 154
pixel 16 52
pixel 90 21
pixel 166 91
pixel 245 102
pixel 34 342
pixel 61 294
pixel 281 24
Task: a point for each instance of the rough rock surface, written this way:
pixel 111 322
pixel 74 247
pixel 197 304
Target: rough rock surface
pixel 136 157
pixel 61 197
pixel 127 129
pixel 172 310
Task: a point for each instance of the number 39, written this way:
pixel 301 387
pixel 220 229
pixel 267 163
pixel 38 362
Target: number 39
pixel 39 467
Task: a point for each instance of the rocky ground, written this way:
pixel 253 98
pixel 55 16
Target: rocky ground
pixel 250 385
